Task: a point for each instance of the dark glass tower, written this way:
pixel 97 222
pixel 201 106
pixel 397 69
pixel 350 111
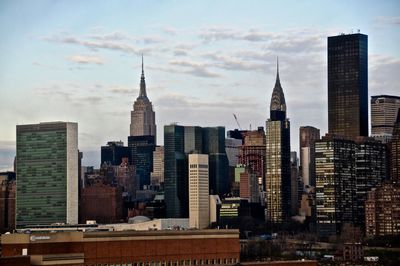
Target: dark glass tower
pixel 348 85
pixel 278 168
pixel 214 146
pixel 141 148
pixel 175 172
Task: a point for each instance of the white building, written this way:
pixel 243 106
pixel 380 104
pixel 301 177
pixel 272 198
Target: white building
pixel 199 213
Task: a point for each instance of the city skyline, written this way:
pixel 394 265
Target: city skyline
pixel 83 68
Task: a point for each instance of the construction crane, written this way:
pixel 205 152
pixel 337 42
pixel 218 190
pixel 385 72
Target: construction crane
pixel 237 121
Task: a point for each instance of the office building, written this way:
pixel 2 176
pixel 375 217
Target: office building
pixel 294 184
pixel 252 153
pixel 143 121
pixel 371 170
pixel 308 136
pixel 7 202
pixel 157 176
pixel 384 110
pixel 277 157
pixel 142 148
pixel 214 146
pixel 102 203
pixel 335 184
pixel 382 210
pixel 348 85
pixel 175 172
pixel 249 188
pixel 114 151
pixel 395 151
pixel 47 173
pixel 232 150
pixel 199 206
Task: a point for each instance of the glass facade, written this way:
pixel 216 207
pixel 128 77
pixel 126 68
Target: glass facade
pixel 142 148
pixel 43 173
pixel 175 172
pixel 348 85
pixel 335 185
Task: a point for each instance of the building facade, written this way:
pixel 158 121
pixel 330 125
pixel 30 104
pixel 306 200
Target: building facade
pixel 175 172
pixel 172 247
pixel 142 148
pixel 7 202
pixel 199 206
pixel 102 203
pixel 382 210
pixel 384 110
pixel 348 85
pixel 308 136
pixel 143 118
pixel 277 156
pixel 395 151
pixel 47 173
pixel 114 151
pixel 157 176
pixel 252 153
pixel 335 184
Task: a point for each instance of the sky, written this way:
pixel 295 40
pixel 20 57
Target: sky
pixel 79 61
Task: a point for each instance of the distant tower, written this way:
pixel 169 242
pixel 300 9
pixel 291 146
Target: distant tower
pixel 308 136
pixel 383 116
pixel 348 85
pixel 199 206
pixel 277 173
pixel 143 122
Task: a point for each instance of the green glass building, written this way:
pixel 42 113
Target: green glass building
pixel 47 174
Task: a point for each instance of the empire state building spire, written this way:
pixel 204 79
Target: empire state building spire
pixel 142 92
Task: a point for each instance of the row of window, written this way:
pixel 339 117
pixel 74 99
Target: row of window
pixel 175 263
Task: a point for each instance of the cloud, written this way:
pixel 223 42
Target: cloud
pixel 114 36
pixel 388 20
pixel 86 59
pixel 180 52
pixel 222 33
pixel 232 63
pixel 171 31
pixel 196 69
pixel 383 74
pixel 122 90
pixel 95 45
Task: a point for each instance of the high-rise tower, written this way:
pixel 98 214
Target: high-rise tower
pixel 143 122
pixel 348 85
pixel 47 174
pixel 277 172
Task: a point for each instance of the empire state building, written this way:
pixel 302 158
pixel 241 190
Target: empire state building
pixel 143 122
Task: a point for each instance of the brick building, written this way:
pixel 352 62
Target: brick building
pixel 101 202
pixel 191 247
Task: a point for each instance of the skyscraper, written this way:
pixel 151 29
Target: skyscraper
pixel 142 148
pixel 335 184
pixel 175 172
pixel 308 136
pixel 348 85
pixel 384 110
pixel 199 206
pixel 179 142
pixel 47 173
pixel 277 173
pixel 214 146
pixel 395 151
pixel 143 122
